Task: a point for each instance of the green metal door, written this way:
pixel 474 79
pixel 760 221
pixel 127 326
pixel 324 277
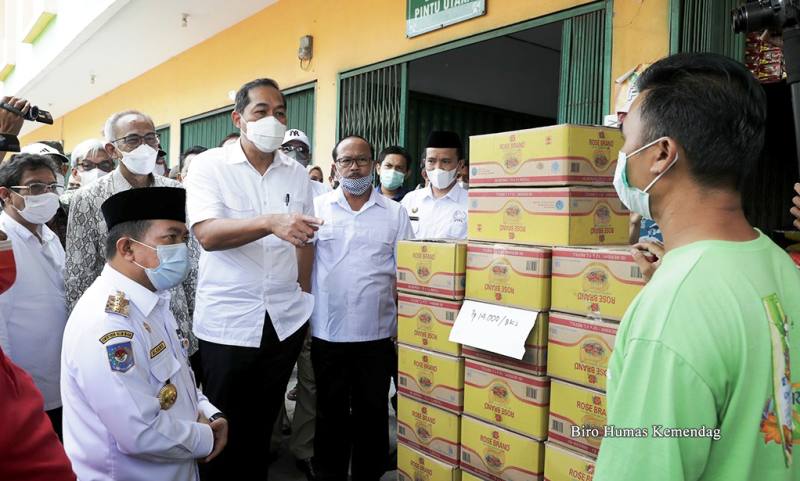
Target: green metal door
pixel 163 135
pixel 583 93
pixel 300 109
pixel 705 26
pixel 372 104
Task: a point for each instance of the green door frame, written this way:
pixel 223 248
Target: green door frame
pixel 608 5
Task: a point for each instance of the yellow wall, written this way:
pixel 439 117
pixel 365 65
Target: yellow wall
pixel 353 34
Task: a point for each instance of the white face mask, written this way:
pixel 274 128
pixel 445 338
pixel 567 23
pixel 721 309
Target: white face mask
pixel 635 199
pixel 266 134
pixel 141 160
pixel 39 209
pixel 90 176
pixel 442 179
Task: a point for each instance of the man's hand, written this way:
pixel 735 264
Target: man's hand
pixel 295 228
pixel 11 123
pixel 220 429
pixel 796 209
pixel 646 263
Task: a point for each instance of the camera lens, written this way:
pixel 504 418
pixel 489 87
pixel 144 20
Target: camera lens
pixel 33 112
pixel 754 17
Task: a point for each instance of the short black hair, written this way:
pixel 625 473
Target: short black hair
pixel 193 150
pixel 11 171
pixel 713 107
pixel 135 229
pixel 334 152
pixel 395 150
pixel 243 95
pixel 232 135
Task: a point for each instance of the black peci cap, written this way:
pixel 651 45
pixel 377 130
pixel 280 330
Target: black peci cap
pixel 149 203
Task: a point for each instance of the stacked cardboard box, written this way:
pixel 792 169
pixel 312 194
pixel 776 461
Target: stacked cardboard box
pixel 430 281
pixel 535 196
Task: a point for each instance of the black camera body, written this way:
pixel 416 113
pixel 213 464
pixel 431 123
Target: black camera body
pixel 34 113
pixel 758 15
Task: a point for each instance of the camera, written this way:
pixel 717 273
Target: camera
pixel 34 114
pixel 774 15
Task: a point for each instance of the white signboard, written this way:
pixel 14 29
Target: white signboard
pixel 499 329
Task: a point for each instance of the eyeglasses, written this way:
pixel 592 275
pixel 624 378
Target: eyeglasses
pixel 39 188
pixel 297 148
pixel 105 166
pixel 135 140
pixel 347 162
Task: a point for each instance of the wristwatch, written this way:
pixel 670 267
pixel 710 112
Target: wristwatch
pixel 216 416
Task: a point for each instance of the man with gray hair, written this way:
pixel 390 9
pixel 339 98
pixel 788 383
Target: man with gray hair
pixel 132 143
pixel 89 161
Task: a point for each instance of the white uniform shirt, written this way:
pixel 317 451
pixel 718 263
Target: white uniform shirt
pixel 355 268
pixel 34 309
pixel 235 287
pixel 114 427
pixel 319 188
pixel 443 218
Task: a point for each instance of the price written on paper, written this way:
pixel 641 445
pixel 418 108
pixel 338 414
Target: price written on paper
pixel 498 329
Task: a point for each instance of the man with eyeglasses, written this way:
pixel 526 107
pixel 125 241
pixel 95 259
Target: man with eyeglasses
pixel 250 207
pixel 439 210
pixel 355 317
pixel 297 146
pixel 132 143
pixel 33 309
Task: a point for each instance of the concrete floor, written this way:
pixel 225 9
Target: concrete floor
pixel 284 469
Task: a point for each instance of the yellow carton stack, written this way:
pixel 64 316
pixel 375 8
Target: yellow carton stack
pixel 535 195
pixel 430 280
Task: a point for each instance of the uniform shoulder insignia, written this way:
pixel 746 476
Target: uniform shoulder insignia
pixel 118 304
pixel 114 334
pixel 120 356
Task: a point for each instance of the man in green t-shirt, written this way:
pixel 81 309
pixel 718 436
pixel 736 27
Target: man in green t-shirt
pixel 700 384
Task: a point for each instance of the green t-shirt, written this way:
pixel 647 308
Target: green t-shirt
pixel 694 350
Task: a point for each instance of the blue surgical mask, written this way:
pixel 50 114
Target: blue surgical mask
pixel 392 179
pixel 357 186
pixel 635 199
pixel 173 265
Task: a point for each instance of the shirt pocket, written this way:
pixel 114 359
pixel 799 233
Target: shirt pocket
pixel 237 206
pixel 382 241
pixel 164 367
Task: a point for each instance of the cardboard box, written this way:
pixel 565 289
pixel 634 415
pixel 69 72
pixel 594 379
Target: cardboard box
pixel 564 465
pixel 507 398
pixel 577 417
pixel 579 348
pixel 516 276
pixel 496 454
pixel 533 362
pixel 554 155
pixel 426 322
pixel 467 476
pixel 598 281
pixel 431 377
pixel 428 429
pixel 432 268
pixel 554 216
pixel 416 466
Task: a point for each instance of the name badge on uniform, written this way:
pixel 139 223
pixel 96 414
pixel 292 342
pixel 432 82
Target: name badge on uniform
pixel 120 356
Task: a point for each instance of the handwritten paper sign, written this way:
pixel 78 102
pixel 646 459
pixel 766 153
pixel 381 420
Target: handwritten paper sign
pixel 499 329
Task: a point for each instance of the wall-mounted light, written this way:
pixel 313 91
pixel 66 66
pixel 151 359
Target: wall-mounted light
pixel 306 50
pixel 184 20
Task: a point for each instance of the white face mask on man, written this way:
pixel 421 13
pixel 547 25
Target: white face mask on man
pixel 442 179
pixel 141 160
pixel 266 133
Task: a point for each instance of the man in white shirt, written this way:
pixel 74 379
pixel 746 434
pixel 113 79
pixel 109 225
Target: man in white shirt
pixel 250 207
pixel 355 317
pixel 33 309
pixel 132 410
pixel 439 211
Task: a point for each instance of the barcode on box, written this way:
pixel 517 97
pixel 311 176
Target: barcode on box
pixel 574 168
pixel 450 316
pixel 532 266
pixel 466 457
pixel 401 276
pixel 403 381
pixel 530 392
pixel 636 272
pixel 557 426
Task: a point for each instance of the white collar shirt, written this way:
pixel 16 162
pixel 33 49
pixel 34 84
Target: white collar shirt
pixel 34 308
pixel 237 286
pixel 318 188
pixel 355 268
pixel 442 218
pixel 115 364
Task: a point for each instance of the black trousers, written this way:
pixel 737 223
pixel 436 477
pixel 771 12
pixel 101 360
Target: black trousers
pixel 248 384
pixel 352 408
